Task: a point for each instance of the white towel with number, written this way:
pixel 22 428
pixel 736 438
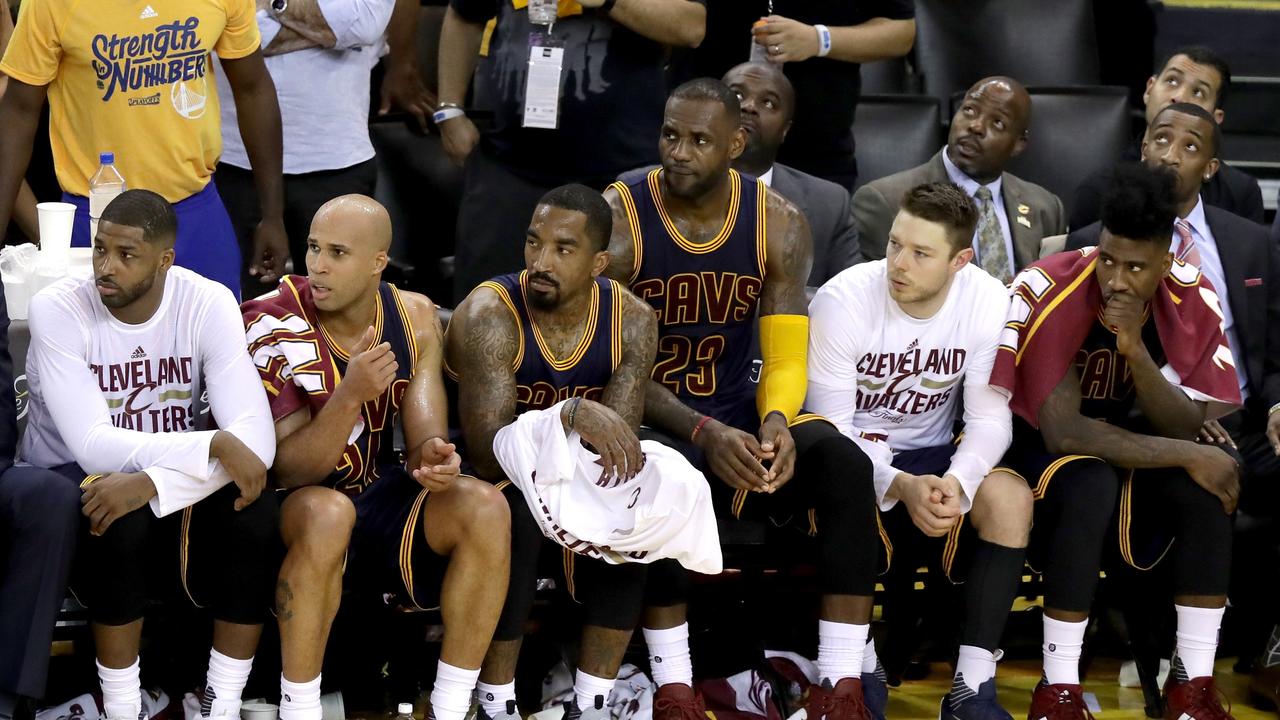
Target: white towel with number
pixel 663 512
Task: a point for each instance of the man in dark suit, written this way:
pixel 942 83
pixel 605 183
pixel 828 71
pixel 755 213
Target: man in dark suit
pixel 39 514
pixel 1244 266
pixel 768 102
pixel 989 128
pixel 1195 75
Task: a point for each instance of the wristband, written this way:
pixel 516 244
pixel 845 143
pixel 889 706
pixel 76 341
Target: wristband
pixel 447 112
pixel 573 410
pixel 1274 409
pixel 694 435
pixel 824 40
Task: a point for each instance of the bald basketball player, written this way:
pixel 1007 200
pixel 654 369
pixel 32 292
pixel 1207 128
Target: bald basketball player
pixel 342 355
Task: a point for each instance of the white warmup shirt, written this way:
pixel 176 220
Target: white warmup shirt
pixel 115 397
pixel 893 383
pixel 663 512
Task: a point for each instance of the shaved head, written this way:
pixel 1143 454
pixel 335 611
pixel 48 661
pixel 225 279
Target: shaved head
pixel 359 218
pixel 1011 93
pixel 989 127
pixel 347 251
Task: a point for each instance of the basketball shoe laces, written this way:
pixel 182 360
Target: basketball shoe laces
pixel 685 708
pixel 1202 700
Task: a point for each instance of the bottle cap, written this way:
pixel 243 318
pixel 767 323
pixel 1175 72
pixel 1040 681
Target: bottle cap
pixel 107 158
pixel 405 708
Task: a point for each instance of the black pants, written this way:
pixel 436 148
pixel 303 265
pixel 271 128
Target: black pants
pixel 611 595
pixel 1255 561
pixel 39 515
pixel 303 196
pixel 1085 506
pixel 209 554
pixel 831 495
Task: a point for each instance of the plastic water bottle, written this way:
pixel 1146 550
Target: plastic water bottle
pixel 404 711
pixel 759 53
pixel 106 184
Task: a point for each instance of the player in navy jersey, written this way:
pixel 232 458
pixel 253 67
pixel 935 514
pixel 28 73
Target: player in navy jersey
pixel 528 341
pixel 344 356
pixel 710 250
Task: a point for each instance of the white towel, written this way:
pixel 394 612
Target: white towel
pixel 663 512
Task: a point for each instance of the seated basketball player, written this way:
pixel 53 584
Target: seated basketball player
pixel 528 341
pixel 1115 357
pixel 345 356
pixel 708 249
pixel 113 371
pixel 893 347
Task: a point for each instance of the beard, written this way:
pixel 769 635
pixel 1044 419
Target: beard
pixel 126 295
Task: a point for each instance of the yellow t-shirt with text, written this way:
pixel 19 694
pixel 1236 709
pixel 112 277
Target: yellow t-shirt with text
pixel 131 77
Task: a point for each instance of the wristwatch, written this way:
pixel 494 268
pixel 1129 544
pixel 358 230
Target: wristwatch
pixel 279 6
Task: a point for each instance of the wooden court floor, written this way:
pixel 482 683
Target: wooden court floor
pixel 1016 678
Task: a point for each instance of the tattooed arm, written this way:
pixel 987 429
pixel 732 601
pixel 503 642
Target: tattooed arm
pixel 481 345
pixel 622 252
pixel 625 393
pixel 1067 432
pixel 788 259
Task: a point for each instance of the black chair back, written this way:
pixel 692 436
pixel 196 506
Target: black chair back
pixel 1075 131
pixel 1038 42
pixel 894 133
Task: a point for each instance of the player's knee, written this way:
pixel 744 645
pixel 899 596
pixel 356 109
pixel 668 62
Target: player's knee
pixel 42 498
pixel 1088 488
pixel 318 518
pixel 485 509
pixel 1003 509
pixel 846 471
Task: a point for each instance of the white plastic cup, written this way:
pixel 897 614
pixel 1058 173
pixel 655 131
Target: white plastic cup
pixel 56 219
pixel 259 711
pixel 17 295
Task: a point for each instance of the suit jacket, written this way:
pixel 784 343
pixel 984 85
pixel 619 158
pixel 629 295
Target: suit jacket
pixel 877 203
pixel 1232 190
pixel 1251 265
pixel 824 204
pixel 8 403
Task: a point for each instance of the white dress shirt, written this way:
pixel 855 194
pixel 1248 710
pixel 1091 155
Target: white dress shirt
pixel 1211 267
pixel 970 186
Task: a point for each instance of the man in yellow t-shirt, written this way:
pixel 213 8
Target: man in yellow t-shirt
pixel 134 78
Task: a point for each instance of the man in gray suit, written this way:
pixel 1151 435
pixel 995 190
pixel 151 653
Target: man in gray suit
pixel 988 129
pixel 768 102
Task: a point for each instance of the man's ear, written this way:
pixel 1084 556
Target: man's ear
pixel 962 258
pixel 786 129
pixel 737 144
pixel 380 261
pixel 600 263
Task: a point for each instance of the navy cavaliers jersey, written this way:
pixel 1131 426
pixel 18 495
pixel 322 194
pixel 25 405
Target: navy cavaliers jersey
pixel 542 379
pixel 374 447
pixel 705 296
pixel 1106 382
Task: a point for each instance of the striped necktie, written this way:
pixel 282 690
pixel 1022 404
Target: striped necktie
pixel 1187 250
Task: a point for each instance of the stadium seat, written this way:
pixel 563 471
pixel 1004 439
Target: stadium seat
pixel 1039 42
pixel 895 132
pixel 888 77
pixel 1075 131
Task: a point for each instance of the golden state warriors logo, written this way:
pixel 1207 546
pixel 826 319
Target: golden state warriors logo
pixel 170 55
